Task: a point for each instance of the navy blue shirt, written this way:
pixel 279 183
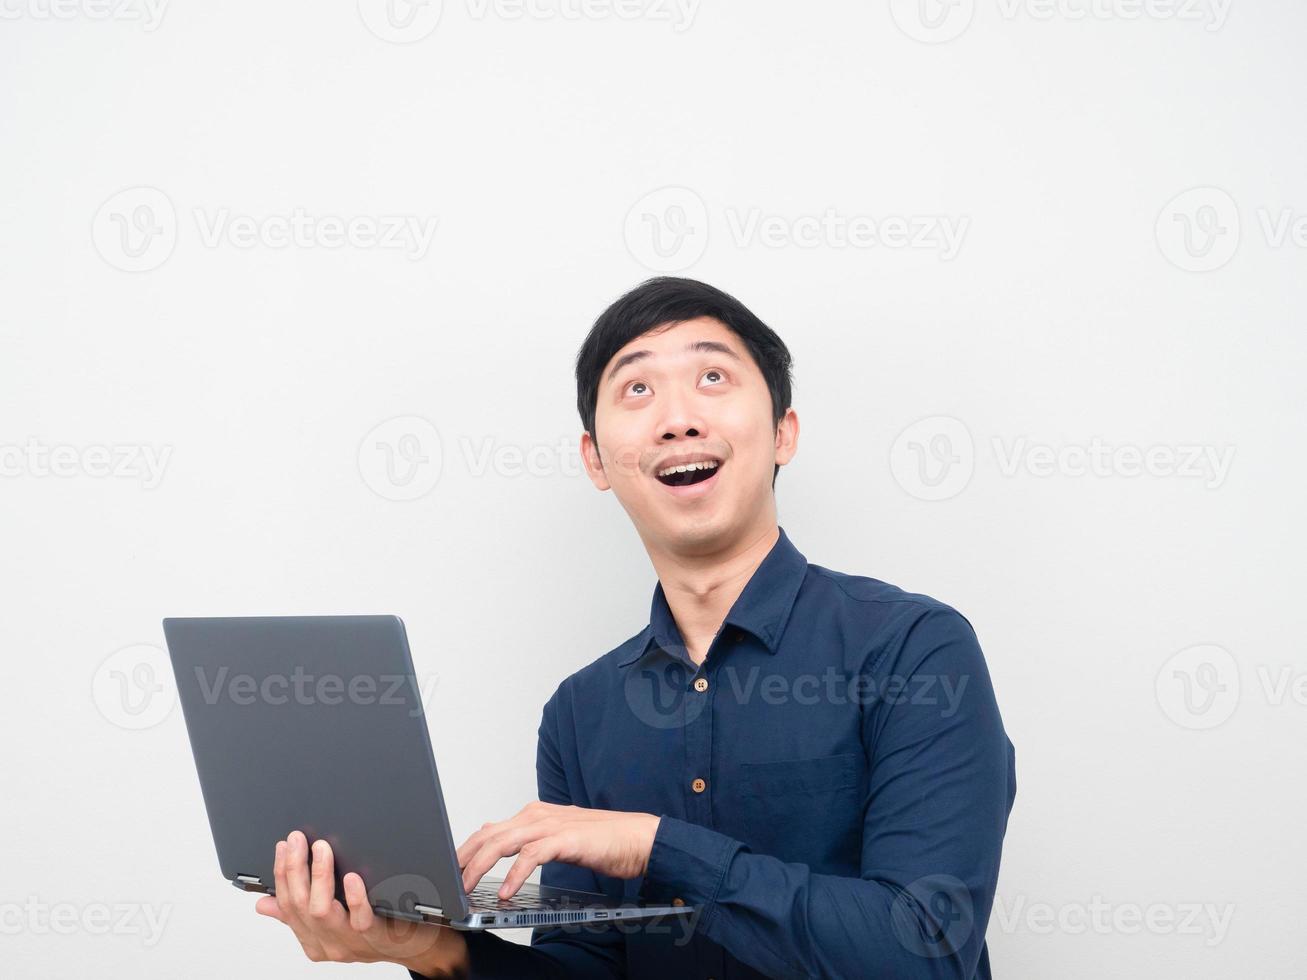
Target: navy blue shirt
pixel 834 783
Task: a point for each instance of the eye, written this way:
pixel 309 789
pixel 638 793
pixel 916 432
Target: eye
pixel 714 376
pixel 636 388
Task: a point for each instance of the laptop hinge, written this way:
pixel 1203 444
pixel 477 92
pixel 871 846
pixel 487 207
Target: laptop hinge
pixel 250 883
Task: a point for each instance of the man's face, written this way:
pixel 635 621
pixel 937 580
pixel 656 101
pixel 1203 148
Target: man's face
pixel 689 395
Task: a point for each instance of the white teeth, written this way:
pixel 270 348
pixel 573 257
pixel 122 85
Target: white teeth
pixel 687 467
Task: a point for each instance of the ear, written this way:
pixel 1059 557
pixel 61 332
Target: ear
pixel 787 437
pixel 594 464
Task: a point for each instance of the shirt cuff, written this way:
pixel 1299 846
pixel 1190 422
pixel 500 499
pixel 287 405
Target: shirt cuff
pixel 686 866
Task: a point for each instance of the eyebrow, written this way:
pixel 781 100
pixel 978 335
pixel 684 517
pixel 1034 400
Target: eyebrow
pixel 698 347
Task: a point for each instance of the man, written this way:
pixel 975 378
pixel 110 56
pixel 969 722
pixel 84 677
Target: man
pixel 814 760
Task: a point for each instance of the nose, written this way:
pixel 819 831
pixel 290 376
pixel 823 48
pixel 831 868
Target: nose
pixel 672 434
pixel 681 420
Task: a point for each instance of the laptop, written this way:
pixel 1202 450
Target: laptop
pixel 316 723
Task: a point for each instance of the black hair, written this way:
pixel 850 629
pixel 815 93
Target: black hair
pixel 667 300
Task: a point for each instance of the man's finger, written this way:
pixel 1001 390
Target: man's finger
pixel 279 881
pixel 322 883
pixel 533 813
pixel 283 870
pixel 268 906
pixel 361 915
pixel 501 845
pixel 473 844
pixel 297 872
pixel 531 857
pixel 510 841
pixel 476 868
pixel 467 849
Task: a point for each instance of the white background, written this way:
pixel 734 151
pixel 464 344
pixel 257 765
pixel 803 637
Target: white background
pixel 1074 310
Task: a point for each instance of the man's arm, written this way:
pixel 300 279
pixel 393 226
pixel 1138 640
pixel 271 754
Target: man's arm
pixel 940 789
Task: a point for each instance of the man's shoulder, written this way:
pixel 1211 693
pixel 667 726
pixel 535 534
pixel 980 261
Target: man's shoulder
pixel 891 626
pixel 601 671
pixel 895 630
pixel 873 597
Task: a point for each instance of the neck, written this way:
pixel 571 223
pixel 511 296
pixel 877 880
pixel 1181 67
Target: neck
pixel 701 588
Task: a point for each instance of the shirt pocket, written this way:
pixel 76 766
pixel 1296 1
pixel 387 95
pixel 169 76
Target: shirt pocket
pixel 805 810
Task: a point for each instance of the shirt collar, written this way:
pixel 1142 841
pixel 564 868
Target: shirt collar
pixel 762 609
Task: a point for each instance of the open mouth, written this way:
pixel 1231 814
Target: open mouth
pixel 688 474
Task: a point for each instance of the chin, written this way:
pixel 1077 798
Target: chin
pixel 695 534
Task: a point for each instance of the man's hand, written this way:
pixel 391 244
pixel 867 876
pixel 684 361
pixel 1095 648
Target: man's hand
pixel 328 932
pixel 605 841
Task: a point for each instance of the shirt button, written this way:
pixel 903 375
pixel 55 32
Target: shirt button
pixel 701 684
pixel 698 786
pixel 678 902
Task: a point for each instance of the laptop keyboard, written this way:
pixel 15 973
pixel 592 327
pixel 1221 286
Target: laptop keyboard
pixel 485 898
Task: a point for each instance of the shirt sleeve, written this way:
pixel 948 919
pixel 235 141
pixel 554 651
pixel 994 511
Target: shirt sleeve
pixel 942 779
pixel 586 952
